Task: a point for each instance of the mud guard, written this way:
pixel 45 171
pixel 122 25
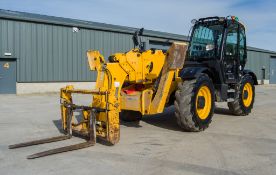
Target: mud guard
pixel 192 72
pixel 252 74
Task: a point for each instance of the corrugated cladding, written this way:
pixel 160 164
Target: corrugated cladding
pixel 47 49
pixel 50 52
pixel 56 53
pixel 256 61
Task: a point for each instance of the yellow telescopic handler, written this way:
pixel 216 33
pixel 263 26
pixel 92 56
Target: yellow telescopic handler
pixel 191 76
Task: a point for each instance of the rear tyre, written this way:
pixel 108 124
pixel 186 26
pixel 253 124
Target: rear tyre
pixel 194 103
pixel 130 116
pixel 244 101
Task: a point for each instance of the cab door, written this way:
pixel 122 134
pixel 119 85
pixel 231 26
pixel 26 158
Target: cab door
pixel 231 54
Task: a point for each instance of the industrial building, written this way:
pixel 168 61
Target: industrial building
pixel 40 53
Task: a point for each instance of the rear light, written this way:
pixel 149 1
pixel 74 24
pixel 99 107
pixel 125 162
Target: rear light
pixel 234 18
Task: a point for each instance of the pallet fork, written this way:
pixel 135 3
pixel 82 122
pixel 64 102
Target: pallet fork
pixel 70 128
pixel 91 140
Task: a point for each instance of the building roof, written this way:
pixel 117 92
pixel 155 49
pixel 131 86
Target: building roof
pixel 260 50
pixel 30 17
pixel 37 18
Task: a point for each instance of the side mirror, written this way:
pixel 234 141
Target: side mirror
pixel 141 31
pixel 137 41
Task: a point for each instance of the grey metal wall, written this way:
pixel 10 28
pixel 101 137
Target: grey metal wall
pixel 272 78
pixel 52 53
pixel 55 53
pixel 256 61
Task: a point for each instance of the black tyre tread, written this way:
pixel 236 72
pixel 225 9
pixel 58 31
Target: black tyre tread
pixel 184 97
pixel 236 107
pixel 130 116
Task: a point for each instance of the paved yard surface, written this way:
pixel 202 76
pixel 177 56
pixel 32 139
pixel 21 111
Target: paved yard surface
pixel 231 145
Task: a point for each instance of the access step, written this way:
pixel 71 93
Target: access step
pixel 231 90
pixel 230 99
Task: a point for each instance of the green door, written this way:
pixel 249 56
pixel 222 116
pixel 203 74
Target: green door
pixel 7 76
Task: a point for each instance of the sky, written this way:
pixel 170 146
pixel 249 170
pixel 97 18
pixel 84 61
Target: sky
pixel 173 16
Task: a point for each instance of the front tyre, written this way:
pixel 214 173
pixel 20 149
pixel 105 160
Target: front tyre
pixel 244 101
pixel 194 104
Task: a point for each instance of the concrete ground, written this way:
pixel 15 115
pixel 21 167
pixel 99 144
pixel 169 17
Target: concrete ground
pixel 231 145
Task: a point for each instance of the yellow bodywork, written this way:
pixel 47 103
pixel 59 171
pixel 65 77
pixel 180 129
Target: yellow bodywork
pixel 135 80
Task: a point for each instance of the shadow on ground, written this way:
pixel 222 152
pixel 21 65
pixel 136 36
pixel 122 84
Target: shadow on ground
pixel 164 120
pixel 223 111
pixel 167 119
pixel 58 125
pixel 135 124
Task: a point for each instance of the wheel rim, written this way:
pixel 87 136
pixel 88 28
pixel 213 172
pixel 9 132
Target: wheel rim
pixel 203 112
pixel 247 94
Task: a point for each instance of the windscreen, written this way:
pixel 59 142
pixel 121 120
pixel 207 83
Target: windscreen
pixel 206 41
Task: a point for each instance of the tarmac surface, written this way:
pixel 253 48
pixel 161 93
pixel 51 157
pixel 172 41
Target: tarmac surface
pixel 231 145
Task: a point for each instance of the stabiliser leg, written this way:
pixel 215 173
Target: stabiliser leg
pixel 91 140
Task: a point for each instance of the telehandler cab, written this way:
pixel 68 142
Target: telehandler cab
pixel 142 82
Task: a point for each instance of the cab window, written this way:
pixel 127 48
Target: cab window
pixel 206 41
pixel 231 50
pixel 242 46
